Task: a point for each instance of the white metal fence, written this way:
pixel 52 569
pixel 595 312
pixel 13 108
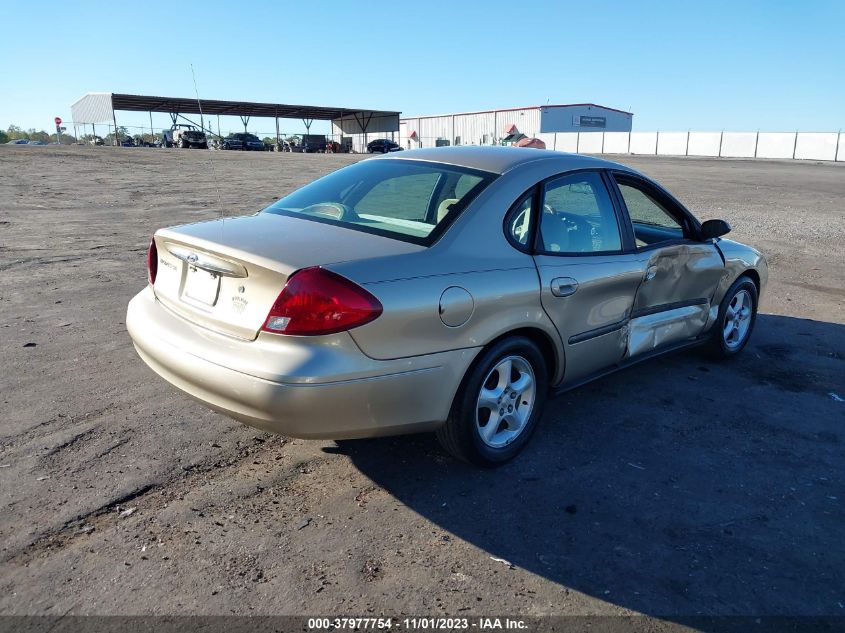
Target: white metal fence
pixel 791 145
pixel 828 146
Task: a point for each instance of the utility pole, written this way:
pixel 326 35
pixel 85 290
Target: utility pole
pixel 114 119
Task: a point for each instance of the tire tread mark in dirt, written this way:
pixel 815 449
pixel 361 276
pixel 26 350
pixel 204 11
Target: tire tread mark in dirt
pixel 39 260
pixel 189 478
pixel 71 529
pixel 68 443
pixel 37 432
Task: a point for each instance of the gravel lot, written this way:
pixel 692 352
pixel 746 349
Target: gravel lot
pixel 683 487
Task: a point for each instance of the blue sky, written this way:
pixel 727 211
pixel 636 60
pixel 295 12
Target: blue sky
pixel 711 65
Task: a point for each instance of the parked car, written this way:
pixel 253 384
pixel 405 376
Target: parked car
pixel 184 136
pixel 243 141
pixel 444 289
pixel 18 141
pixel 252 143
pixel 382 146
pixel 313 143
pixel 232 141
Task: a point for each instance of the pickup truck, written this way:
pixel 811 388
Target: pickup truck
pixel 184 136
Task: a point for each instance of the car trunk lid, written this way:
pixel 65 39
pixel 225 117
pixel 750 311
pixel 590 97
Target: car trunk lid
pixel 225 274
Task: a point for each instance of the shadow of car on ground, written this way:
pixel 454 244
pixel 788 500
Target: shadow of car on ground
pixel 680 487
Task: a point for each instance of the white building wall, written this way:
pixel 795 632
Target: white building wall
pixel 567 118
pixel 406 128
pixel 526 120
pixel 433 128
pixel 476 129
pixel 473 128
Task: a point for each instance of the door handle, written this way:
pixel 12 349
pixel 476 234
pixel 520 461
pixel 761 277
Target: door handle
pixel 650 273
pixel 564 286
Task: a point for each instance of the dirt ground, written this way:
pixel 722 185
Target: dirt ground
pixel 682 487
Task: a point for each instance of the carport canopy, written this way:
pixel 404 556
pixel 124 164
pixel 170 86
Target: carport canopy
pixel 99 107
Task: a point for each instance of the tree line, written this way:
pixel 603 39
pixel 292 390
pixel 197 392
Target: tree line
pixel 15 133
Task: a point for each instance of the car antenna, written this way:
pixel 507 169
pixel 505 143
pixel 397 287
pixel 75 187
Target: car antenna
pixel 210 158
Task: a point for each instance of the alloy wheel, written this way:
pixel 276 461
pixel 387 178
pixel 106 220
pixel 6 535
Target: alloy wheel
pixel 505 401
pixel 737 319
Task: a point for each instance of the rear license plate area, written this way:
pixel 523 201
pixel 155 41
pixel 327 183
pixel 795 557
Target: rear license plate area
pixel 201 286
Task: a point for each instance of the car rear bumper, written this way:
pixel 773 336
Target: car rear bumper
pixel 309 387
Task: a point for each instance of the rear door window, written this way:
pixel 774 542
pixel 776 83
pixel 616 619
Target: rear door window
pixel 518 223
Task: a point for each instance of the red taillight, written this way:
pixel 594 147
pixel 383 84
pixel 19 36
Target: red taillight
pixel 152 262
pixel 317 301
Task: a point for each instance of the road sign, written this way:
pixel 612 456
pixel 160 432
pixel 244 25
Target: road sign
pixel 58 120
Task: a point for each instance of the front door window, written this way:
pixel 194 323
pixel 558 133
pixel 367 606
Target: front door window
pixel 577 217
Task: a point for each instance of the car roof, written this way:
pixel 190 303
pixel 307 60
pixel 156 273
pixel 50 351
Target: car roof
pixel 499 159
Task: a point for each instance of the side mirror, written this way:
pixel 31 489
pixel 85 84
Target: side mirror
pixel 714 228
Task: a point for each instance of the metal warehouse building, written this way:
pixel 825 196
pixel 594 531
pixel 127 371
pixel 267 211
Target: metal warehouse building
pixel 491 127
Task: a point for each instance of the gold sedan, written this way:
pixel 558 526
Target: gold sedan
pixel 449 290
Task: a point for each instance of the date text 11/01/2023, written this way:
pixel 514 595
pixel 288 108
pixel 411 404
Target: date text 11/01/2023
pixel 417 624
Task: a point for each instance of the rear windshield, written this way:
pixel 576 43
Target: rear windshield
pixel 409 200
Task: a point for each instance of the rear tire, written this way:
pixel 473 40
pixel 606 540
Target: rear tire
pixel 735 323
pixel 498 404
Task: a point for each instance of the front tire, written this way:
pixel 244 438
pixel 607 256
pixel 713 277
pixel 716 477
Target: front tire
pixel 737 316
pixel 498 404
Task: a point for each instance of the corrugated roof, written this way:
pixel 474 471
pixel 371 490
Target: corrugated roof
pixel 143 103
pixel 95 107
